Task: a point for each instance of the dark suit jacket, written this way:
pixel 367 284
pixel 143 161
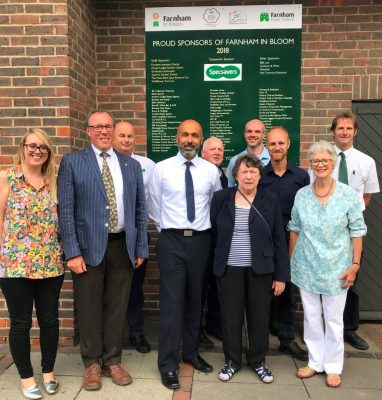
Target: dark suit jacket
pixel 83 207
pixel 268 246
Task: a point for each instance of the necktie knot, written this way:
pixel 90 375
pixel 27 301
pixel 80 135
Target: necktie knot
pixel 188 164
pixel 342 155
pixel 104 155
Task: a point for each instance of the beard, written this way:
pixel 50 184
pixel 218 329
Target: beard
pixel 186 153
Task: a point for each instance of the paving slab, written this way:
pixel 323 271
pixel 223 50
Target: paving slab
pixel 10 387
pixel 342 393
pixel 247 391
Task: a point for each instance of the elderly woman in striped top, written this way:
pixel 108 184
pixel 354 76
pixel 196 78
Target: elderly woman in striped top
pixel 251 264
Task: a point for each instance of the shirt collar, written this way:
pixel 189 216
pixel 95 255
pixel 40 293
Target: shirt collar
pixel 180 159
pixel 269 167
pixel 97 151
pixel 263 156
pixel 346 152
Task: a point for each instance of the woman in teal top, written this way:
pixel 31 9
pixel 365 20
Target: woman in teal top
pixel 326 227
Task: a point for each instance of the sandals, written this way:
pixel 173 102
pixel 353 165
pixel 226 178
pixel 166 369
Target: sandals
pixel 305 372
pixel 333 380
pixel 227 372
pixel 264 374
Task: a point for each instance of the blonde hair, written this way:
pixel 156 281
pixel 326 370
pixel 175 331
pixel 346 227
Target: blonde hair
pixel 48 168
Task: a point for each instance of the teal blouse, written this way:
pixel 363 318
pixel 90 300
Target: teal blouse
pixel 324 247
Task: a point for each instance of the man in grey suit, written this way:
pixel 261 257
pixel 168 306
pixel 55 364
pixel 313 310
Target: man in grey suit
pixel 103 227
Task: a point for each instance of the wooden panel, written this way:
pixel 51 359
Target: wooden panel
pixel 369 141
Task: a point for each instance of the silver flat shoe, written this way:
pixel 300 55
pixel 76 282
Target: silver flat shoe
pixel 32 393
pixel 51 387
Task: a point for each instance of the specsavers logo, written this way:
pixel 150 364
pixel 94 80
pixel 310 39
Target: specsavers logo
pixel 223 72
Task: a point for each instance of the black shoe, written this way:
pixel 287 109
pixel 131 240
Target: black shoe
pixel 215 332
pixel 205 342
pixel 140 343
pixel 294 350
pixel 170 380
pixel 356 341
pixel 199 364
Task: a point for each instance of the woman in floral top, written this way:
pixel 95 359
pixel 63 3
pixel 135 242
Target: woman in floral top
pixel 31 268
pixel 326 244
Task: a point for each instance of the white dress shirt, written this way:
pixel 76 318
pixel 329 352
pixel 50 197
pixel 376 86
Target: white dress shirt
pixel 362 172
pixel 147 166
pixel 116 173
pixel 167 193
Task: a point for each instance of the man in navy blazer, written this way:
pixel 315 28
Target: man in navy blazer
pixel 102 253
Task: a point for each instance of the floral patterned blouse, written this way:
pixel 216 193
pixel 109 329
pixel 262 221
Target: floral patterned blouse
pixel 324 247
pixel 30 247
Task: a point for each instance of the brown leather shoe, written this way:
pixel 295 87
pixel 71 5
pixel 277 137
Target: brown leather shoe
pixel 119 375
pixel 92 377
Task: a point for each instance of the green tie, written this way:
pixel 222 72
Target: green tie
pixel 110 192
pixel 343 170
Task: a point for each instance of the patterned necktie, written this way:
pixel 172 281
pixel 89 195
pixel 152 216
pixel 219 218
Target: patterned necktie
pixel 223 178
pixel 190 200
pixel 110 192
pixel 343 170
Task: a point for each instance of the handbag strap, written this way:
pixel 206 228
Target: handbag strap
pixel 257 211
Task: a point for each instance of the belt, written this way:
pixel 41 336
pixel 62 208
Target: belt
pixel 116 236
pixel 187 232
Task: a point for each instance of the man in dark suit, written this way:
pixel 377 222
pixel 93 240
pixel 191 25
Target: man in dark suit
pixel 284 180
pixel 103 227
pixel 213 151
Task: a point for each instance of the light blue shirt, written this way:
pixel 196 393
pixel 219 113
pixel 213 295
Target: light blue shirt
pixel 324 247
pixel 264 158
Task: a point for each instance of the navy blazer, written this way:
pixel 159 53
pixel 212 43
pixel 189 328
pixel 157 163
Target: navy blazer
pixel 268 246
pixel 83 212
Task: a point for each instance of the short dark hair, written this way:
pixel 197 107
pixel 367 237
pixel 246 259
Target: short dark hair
pixel 249 161
pixel 344 115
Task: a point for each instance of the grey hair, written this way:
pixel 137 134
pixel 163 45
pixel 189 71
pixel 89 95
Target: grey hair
pixel 322 145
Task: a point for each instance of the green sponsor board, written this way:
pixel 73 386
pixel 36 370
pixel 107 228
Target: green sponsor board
pixel 222 78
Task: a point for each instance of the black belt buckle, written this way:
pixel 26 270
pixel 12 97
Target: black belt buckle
pixel 188 232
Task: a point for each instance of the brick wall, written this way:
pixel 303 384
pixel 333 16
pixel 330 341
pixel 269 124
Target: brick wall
pixel 82 73
pixel 47 80
pixel 60 59
pixel 341 53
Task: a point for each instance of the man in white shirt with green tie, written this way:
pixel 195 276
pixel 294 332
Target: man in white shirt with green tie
pixel 358 170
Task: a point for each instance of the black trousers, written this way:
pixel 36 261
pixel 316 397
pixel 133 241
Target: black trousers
pixel 283 312
pixel 20 294
pixel 102 296
pixel 241 290
pixel 135 318
pixel 351 312
pixel 182 262
pixel 210 294
pixel 283 309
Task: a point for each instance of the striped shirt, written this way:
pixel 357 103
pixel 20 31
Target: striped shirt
pixel 240 251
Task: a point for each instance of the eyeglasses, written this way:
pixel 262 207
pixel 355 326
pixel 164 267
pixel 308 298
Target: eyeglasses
pixel 99 128
pixel 325 162
pixel 32 147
